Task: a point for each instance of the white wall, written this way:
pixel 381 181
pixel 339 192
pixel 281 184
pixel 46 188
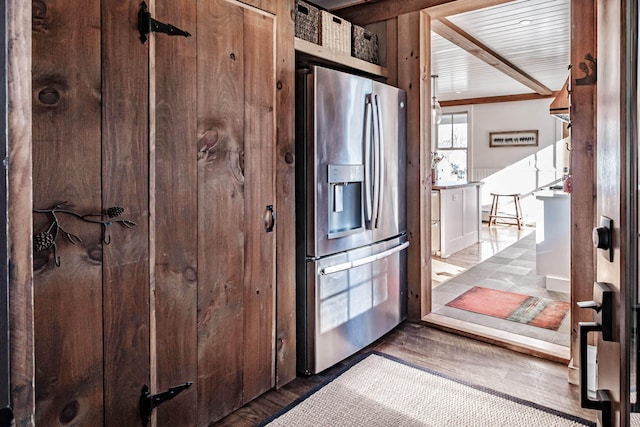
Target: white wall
pixel 514 169
pixel 507 116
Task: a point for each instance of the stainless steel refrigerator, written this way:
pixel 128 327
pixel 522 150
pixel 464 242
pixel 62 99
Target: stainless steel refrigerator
pixel 350 214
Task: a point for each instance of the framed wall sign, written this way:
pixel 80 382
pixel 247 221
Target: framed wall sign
pixel 517 138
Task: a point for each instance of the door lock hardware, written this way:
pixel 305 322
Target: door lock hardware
pixel 603 397
pixel 150 401
pixel 602 237
pixel 147 24
pixel 602 305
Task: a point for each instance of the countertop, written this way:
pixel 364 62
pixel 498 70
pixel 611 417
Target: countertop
pixel 438 185
pixel 552 194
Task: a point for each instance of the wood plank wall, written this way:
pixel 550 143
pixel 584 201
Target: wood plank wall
pixel 583 170
pixel 67 151
pixel 124 182
pixel 221 176
pixel 285 194
pixel 413 47
pixel 18 65
pixel 259 139
pixel 5 356
pixel 174 194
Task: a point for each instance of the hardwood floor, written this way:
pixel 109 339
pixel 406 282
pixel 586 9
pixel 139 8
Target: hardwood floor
pixel 527 377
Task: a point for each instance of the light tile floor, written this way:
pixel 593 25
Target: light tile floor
pixel 505 260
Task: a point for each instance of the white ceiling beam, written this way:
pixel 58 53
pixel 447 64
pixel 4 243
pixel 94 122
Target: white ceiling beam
pixel 456 35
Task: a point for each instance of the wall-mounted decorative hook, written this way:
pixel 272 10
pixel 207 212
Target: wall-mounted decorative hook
pixel 147 24
pixel 46 240
pixel 590 70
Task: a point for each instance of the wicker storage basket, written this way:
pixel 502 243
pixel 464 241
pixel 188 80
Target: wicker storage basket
pixel 335 33
pixel 364 45
pixel 307 21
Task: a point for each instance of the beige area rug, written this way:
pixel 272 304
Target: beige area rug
pixel 383 391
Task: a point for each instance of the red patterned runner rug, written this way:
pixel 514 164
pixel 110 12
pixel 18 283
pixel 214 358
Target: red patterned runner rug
pixel 534 311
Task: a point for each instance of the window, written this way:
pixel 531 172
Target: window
pixel 452 134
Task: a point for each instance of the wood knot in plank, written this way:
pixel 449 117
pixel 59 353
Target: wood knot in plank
pixel 95 254
pixel 208 141
pixel 50 92
pixel 69 412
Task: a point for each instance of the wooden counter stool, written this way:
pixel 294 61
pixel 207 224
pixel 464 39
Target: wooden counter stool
pixel 493 214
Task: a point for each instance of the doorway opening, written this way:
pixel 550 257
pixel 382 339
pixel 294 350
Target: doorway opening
pixel 494 284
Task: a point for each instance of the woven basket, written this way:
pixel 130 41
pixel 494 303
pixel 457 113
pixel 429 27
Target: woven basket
pixel 307 27
pixel 364 45
pixel 335 33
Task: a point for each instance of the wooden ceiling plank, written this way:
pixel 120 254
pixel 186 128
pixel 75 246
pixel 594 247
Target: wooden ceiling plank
pixel 370 12
pixel 460 38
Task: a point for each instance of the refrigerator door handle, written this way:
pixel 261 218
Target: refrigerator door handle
pixel 376 163
pixel 368 205
pixel 363 261
pixel 380 169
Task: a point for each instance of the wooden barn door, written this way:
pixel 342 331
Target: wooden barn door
pixel 214 122
pixel 236 186
pixel 180 132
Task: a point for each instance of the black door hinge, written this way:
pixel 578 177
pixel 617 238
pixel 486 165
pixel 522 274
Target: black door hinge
pixel 147 24
pixel 150 401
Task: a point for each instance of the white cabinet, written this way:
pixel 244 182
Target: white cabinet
pixel 435 222
pixel 455 224
pixel 553 241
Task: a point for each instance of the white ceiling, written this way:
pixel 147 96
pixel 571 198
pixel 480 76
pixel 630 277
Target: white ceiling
pixel 540 49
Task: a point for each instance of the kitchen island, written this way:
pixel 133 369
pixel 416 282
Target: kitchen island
pixel 455 216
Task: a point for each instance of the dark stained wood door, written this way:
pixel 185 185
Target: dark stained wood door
pixel 616 187
pixel 180 132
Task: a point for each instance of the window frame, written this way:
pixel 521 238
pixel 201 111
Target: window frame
pixel 467 149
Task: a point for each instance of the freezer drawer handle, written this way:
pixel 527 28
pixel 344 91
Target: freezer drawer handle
pixel 363 261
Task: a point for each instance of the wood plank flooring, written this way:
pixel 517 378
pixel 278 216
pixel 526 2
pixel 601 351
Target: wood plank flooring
pixel 520 375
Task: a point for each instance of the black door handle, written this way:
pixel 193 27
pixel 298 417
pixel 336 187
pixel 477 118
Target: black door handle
pixel 269 219
pixel 602 305
pixel 603 398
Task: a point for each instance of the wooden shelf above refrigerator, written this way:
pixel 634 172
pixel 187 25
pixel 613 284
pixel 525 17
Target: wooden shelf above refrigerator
pixel 323 53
